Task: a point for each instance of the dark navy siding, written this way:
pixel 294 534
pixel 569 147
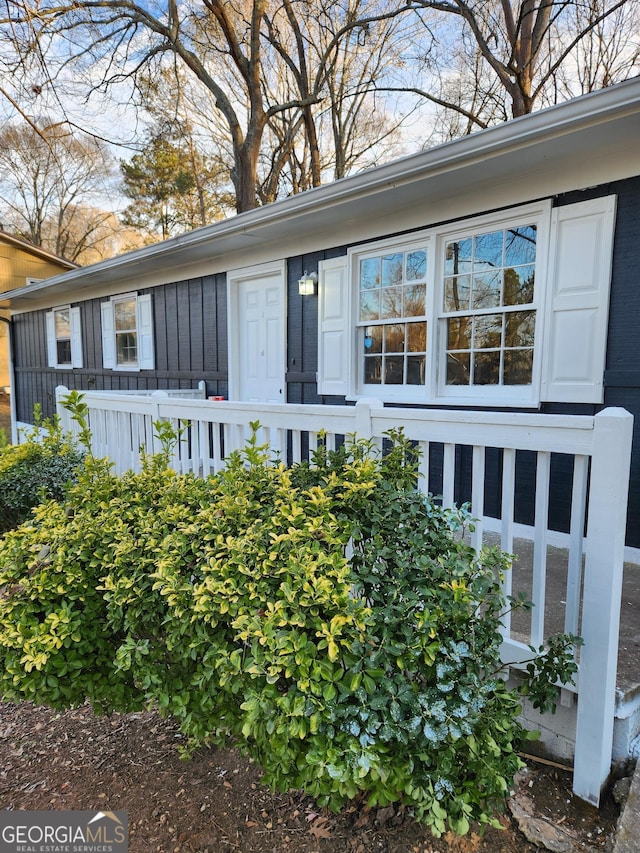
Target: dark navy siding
pixel 190 332
pixel 191 344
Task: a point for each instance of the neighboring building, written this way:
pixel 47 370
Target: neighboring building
pixel 22 264
pixel 500 270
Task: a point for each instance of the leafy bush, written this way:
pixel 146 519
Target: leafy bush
pixel 39 468
pixel 328 618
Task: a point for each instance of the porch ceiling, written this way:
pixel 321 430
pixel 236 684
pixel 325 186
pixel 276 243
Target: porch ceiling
pixel 580 143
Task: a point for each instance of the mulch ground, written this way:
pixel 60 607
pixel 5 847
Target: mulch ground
pixel 214 802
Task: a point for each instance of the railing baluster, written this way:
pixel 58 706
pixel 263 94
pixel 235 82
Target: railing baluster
pixel 448 474
pixel 506 512
pixel 576 539
pixel 477 496
pixel 543 467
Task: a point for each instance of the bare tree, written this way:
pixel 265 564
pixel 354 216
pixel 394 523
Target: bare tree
pixel 48 178
pixel 609 52
pixel 231 48
pixel 524 43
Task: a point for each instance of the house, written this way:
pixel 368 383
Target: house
pixel 497 271
pixel 22 264
pixel 474 287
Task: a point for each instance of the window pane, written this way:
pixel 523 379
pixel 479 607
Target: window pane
pixel 518 367
pixel 416 369
pixel 457 292
pixel 127 349
pixel 369 273
pixel 486 368
pixel 370 305
pixel 486 290
pixel 487 331
pixel 393 369
pixel 63 352
pixel 63 326
pixel 487 250
pixel 458 368
pixel 414 300
pixel 416 337
pixel 394 338
pixel 125 315
pixel 491 272
pixel 520 245
pixel 391 302
pixel 373 370
pixel 392 269
pixel 518 285
pixel 373 339
pixel 520 328
pixel 416 265
pixel 458 257
pixel 459 333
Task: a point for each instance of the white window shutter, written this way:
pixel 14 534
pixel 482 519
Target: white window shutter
pixel 52 350
pixel 334 333
pixel 578 301
pixel 108 336
pixel 76 338
pixel 146 353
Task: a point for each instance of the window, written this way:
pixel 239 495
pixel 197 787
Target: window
pixel 488 302
pixel 63 336
pixel 505 309
pixel 452 315
pixel 127 333
pixel 392 322
pixel 64 340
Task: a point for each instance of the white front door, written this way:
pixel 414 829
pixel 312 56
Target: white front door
pixel 261 340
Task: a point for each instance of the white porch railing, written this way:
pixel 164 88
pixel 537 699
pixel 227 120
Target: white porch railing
pixel 122 424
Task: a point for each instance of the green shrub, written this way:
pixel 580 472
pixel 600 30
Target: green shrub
pixel 327 618
pixel 38 469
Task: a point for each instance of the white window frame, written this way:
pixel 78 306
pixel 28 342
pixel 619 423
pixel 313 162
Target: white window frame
pixel 503 395
pixel 144 333
pixel 389 393
pixel 75 338
pixel 435 391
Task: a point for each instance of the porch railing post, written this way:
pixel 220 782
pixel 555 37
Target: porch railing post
pixel 608 492
pixel 63 414
pixel 363 422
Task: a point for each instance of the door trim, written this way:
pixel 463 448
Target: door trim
pixel 234 279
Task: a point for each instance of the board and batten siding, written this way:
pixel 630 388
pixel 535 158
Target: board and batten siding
pixel 190 330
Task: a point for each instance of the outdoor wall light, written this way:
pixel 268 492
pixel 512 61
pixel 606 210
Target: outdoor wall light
pixel 307 284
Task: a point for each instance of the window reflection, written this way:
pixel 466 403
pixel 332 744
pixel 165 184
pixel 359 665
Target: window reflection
pixel 489 271
pixel 392 293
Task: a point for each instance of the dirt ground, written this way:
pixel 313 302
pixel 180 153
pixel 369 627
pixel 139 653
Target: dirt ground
pixel 215 803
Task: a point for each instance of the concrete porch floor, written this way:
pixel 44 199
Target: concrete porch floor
pixel 628 679
pixel 558 730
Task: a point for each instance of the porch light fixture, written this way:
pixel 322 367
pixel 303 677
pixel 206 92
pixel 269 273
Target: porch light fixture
pixel 307 284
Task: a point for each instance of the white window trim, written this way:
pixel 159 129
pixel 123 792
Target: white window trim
pixel 75 338
pixel 505 395
pixel 388 393
pixel 434 391
pixel 144 333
